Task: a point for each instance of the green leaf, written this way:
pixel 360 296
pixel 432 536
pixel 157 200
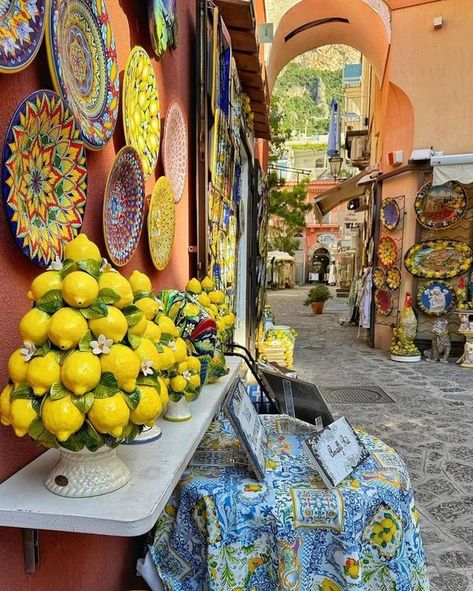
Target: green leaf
pixel 159 348
pixel 96 310
pixel 131 431
pixel 151 380
pixel 175 396
pixel 39 433
pixel 37 403
pixel 108 386
pixel 132 398
pixel 84 344
pixel 134 340
pixel 111 441
pixel 22 390
pixel 41 351
pixel 67 267
pixel 83 403
pixel 166 337
pixel 139 295
pixel 191 394
pixel 90 266
pixel 58 391
pixel 92 432
pixel 107 296
pixel 51 301
pixel 133 314
pixel 74 443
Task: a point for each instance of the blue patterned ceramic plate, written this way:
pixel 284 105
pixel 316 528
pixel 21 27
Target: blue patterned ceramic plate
pixel 435 298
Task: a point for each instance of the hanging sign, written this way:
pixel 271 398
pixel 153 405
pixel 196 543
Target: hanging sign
pixel 326 238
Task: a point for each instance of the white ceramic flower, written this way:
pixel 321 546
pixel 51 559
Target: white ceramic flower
pixel 187 375
pixel 172 345
pixel 106 267
pixel 146 367
pixel 101 345
pixel 56 265
pixel 27 351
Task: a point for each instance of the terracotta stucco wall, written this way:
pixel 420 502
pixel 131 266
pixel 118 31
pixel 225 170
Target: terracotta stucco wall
pixel 73 561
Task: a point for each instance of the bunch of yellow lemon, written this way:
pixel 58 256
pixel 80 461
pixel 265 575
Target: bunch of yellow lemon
pixel 185 379
pixel 96 357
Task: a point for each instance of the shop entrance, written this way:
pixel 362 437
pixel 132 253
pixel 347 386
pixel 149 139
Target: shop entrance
pixel 320 263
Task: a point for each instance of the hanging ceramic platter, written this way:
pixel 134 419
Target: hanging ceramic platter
pixel 435 298
pixel 162 25
pixel 387 251
pixel 161 223
pixel 379 277
pixel 123 206
pixel 384 302
pixel 44 176
pixel 390 214
pixel 393 278
pixel 141 108
pixel 442 206
pixel 21 32
pixel 82 59
pixel 175 149
pixel 437 259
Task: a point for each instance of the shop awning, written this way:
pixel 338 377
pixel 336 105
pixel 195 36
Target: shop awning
pixel 343 192
pixel 241 24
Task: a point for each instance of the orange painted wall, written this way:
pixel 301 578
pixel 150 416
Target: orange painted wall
pixel 73 561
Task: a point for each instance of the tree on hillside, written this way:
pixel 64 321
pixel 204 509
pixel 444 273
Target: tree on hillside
pixel 287 210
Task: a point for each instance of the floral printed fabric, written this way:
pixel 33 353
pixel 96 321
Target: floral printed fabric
pixel 224 531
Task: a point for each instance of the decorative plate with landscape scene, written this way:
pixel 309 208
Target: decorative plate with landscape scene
pixel 435 298
pixel 442 206
pixel 437 259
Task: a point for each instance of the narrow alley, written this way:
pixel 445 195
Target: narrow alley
pixel 429 424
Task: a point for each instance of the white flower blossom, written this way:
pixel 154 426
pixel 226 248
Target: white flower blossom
pixel 172 345
pixel 187 375
pixel 106 267
pixel 146 367
pixel 28 351
pixel 101 345
pixel 56 265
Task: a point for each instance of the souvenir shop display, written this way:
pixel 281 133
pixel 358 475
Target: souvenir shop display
pixel 441 343
pixel 390 214
pixel 140 107
pixel 82 58
pixel 44 176
pixel 162 25
pixel 21 33
pixel 435 298
pixel 221 65
pixel 393 278
pixel 222 156
pixel 387 251
pixel 175 149
pixel 466 328
pixel 277 345
pixel 442 206
pixel 161 223
pixel 461 295
pixel 123 206
pixel 438 259
pixel 383 301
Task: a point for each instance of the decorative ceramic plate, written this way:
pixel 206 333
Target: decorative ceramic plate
pixel 141 108
pixel 175 149
pixel 162 25
pixel 44 176
pixel 123 206
pixel 82 59
pixel 379 277
pixel 161 223
pixel 435 298
pixel 390 214
pixel 437 259
pixel 387 251
pixel 442 206
pixel 21 32
pixel 393 277
pixel 383 300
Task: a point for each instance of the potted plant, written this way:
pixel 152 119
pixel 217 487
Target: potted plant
pixel 317 296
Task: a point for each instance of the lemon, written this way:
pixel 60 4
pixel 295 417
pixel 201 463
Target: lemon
pixel 149 407
pixel 194 364
pixel 109 415
pixel 217 297
pixel 178 384
pixel 124 364
pixel 67 328
pixel 43 372
pixel 113 326
pixel 34 327
pixel 140 327
pixel 210 312
pixel 61 417
pixel 207 284
pixel 148 352
pixel 81 372
pixel 228 320
pixel 194 382
pixel 120 285
pixel 79 289
pixel 167 326
pixel 149 306
pixel 5 416
pixel 166 358
pixel 152 332
pixel 140 282
pixel 44 283
pixel 182 367
pixel 22 414
pixel 17 367
pixel 204 299
pixel 180 349
pixel 163 392
pixel 194 286
pixel 190 310
pixel 81 248
pixel 214 309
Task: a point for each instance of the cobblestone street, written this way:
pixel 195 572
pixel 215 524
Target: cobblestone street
pixel 430 425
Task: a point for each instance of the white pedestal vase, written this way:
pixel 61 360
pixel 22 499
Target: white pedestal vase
pixel 178 411
pixel 87 474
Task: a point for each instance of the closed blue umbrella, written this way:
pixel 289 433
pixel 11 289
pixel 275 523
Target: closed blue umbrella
pixel 333 146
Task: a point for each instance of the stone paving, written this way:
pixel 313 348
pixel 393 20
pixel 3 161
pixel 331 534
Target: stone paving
pixel 430 425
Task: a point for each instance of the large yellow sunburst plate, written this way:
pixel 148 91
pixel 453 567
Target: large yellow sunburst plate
pixel 141 108
pixel 161 223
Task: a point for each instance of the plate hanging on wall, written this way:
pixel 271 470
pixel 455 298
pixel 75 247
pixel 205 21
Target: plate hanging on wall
pixel 123 206
pixel 44 176
pixel 141 108
pixel 175 149
pixel 82 59
pixel 387 251
pixel 379 277
pixel 390 214
pixel 161 223
pixel 441 206
pixel 438 259
pixel 21 33
pixel 383 301
pixel 435 298
pixel 162 25
pixel 393 278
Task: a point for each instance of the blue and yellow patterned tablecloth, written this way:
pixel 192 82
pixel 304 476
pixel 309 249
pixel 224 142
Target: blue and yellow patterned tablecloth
pixel 224 531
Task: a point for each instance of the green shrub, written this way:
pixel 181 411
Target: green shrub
pixel 318 293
